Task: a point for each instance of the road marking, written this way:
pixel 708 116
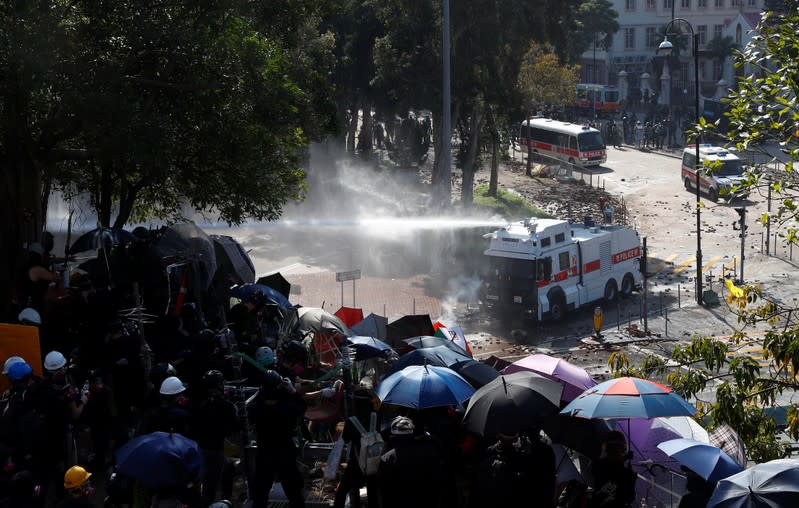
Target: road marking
pixel 710 264
pixel 685 264
pixel 660 266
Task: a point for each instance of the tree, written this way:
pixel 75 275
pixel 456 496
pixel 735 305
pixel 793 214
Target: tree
pixel 720 48
pixel 764 112
pixel 599 22
pixel 151 109
pixel 544 80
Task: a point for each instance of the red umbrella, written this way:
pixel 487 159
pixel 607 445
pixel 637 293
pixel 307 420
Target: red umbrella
pixel 349 315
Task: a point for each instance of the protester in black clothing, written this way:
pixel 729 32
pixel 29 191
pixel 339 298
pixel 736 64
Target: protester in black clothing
pixel 243 318
pixel 79 489
pixel 22 492
pixel 172 415
pixel 411 469
pixel 353 478
pixel 275 409
pixel 214 419
pixel 512 468
pixel 699 490
pixel 614 479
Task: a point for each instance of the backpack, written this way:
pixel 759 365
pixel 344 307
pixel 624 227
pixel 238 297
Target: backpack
pixel 371 445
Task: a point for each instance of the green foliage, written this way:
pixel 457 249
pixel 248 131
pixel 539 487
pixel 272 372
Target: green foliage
pixel 544 79
pixel 509 206
pixel 599 21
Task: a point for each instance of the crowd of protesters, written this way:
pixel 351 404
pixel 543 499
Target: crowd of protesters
pixel 112 375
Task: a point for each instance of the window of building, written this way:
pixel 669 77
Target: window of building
pixel 738 34
pixel 667 4
pixel 717 30
pixel 651 37
pixel 629 38
pixel 560 237
pixel 751 3
pixel 737 3
pixel 702 4
pixel 719 4
pixel 717 70
pixel 685 4
pixel 629 5
pixel 546 241
pixel 651 5
pixel 702 31
pixel 703 70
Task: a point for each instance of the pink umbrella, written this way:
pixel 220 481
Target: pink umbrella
pixel 575 380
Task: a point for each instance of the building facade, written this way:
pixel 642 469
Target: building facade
pixel 645 78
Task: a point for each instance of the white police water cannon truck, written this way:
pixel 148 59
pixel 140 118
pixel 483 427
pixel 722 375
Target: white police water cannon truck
pixel 548 267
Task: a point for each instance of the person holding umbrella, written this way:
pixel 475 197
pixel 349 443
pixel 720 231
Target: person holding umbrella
pixel 698 490
pixel 275 410
pixel 614 479
pixel 412 471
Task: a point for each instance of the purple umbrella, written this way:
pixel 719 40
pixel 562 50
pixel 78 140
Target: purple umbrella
pixel 574 379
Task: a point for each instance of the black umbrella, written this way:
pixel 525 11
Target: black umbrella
pixel 579 434
pixel 512 403
pixel 430 341
pixel 101 237
pixel 187 242
pixel 475 372
pixel 277 282
pixel 233 260
pixel 407 327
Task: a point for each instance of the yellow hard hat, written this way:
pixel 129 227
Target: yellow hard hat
pixel 75 477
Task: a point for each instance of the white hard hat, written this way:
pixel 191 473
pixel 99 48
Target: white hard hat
pixel 29 316
pixel 172 386
pixel 11 361
pixel 54 361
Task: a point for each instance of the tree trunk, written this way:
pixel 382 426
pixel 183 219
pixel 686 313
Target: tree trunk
pixel 365 134
pixel 529 170
pixel 352 128
pixel 467 187
pixel 493 181
pixel 128 195
pixel 105 195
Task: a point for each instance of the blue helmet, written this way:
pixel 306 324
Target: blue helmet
pixel 19 370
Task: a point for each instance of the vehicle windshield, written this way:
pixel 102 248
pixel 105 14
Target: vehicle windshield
pixel 728 168
pixel 503 268
pixel 590 141
pixel 611 96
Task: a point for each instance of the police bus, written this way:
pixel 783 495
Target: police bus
pixel 580 145
pixel 602 99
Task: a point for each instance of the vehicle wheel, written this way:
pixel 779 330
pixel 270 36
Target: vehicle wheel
pixel 627 285
pixel 713 195
pixel 688 184
pixel 557 309
pixel 611 291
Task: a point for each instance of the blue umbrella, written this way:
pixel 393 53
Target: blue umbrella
pixel 706 460
pixel 161 460
pixel 246 291
pixel 629 397
pixel 439 356
pixel 369 347
pixel 773 484
pixel 424 386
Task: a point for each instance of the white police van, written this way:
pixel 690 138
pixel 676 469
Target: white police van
pixel 721 175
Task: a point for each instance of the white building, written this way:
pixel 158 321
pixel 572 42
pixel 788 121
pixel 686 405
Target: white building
pixel 634 48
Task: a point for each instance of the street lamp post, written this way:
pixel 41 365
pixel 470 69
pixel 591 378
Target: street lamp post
pixel 665 49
